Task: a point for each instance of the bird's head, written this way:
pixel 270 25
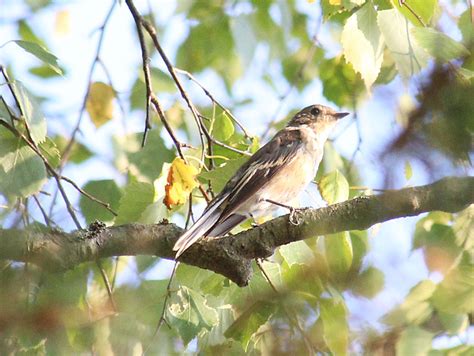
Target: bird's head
pixel 318 117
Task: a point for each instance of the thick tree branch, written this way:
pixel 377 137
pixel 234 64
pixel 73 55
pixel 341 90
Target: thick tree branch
pixel 231 255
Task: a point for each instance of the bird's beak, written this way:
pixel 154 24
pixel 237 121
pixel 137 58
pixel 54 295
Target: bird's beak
pixel 340 115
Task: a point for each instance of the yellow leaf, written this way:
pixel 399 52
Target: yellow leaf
pixel 181 182
pixel 100 104
pixel 62 24
pixel 335 2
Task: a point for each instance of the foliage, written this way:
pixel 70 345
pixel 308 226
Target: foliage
pixel 301 301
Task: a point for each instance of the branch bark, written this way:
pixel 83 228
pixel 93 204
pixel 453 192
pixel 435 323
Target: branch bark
pixel 230 256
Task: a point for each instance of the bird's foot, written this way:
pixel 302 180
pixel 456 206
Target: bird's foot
pixel 295 215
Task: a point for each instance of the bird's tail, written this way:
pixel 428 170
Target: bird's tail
pixel 199 229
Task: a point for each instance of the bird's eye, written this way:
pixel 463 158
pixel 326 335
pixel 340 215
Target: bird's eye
pixel 315 111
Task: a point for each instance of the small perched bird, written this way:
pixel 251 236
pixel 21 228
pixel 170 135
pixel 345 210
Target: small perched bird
pixel 277 173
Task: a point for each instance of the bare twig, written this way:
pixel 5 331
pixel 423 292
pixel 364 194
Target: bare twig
pixel 403 3
pixel 141 22
pixel 72 140
pixel 215 101
pixel 162 319
pixel 57 177
pixel 298 76
pixel 89 196
pixel 291 315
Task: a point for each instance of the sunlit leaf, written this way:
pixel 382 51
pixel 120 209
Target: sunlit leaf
pixel 339 252
pixel 416 308
pixel 408 170
pixel 223 127
pixel 181 182
pixel 32 113
pixel 296 253
pixel 22 172
pixel 363 44
pixel 454 323
pixel 41 53
pixel 439 45
pixel 62 25
pixel 458 285
pixel 425 9
pixel 409 57
pixel 369 283
pixel 414 339
pixel 100 104
pixel 334 187
pixel 50 151
pixel 336 328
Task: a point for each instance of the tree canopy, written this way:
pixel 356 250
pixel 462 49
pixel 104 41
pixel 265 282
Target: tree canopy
pixel 120 121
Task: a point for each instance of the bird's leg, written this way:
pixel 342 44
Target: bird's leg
pixel 293 211
pixel 254 222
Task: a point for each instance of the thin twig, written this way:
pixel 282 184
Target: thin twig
pixel 91 197
pixel 162 319
pixel 291 316
pixel 141 22
pixel 403 3
pixel 298 76
pixel 47 220
pixel 214 100
pixel 68 149
pixel 57 177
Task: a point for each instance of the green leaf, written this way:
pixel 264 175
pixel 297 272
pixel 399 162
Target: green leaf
pixel 105 190
pixel 341 84
pixel 135 199
pixel 143 163
pixel 334 187
pixel 360 246
pixel 414 341
pixel 50 151
pixel 223 127
pixel 458 285
pixel 362 43
pixel 297 253
pixel 250 321
pixel 465 26
pixel 188 312
pixel 416 308
pixel 425 9
pixel 41 53
pixel 336 329
pixel 45 71
pixel 439 45
pixel 454 323
pixel 32 112
pixel 339 252
pixel 369 283
pixel 27 34
pixel 408 170
pixel 22 172
pixel 221 175
pixel 439 246
pixel 78 154
pixel 409 57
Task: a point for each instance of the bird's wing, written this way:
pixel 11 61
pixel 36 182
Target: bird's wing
pixel 260 169
pixel 249 178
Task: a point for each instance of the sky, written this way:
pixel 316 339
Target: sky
pixel 390 242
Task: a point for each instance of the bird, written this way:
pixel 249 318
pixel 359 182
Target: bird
pixel 271 178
